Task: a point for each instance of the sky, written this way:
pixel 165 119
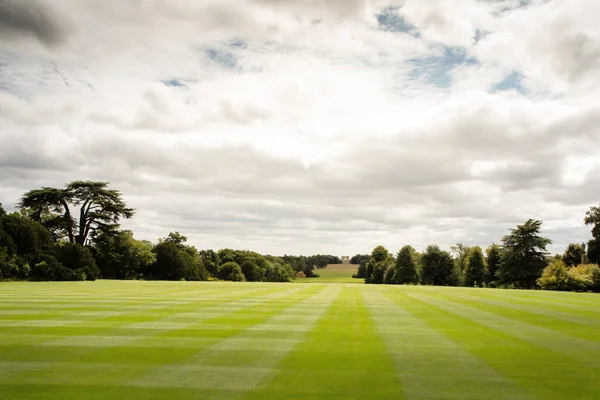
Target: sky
pixel 309 126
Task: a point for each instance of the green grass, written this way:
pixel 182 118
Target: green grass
pixel 219 340
pixel 334 273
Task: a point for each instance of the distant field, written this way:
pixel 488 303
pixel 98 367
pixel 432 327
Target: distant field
pixel 334 273
pixel 219 340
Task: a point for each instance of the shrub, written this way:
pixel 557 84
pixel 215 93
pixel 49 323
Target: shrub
pixel 585 277
pixel 557 276
pixel 55 271
pixel 231 271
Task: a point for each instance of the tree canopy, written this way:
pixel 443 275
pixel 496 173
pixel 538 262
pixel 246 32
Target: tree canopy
pixel 98 208
pixel 524 255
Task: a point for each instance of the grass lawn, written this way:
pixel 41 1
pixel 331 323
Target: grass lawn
pixel 218 340
pixel 338 273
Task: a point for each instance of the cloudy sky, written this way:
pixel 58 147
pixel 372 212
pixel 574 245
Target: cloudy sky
pixel 307 126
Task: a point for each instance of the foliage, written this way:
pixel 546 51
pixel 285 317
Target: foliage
pixel 558 276
pixel 307 264
pixel 461 255
pixel 474 273
pixel 361 271
pixel 524 255
pixel 231 271
pixel 361 260
pixel 121 256
pixel 437 267
pixel 573 254
pixel 78 258
pixel 211 261
pixel 251 271
pixel 406 266
pixel 378 263
pixel 592 217
pixel 99 208
pixel 493 260
pixel 389 275
pixel 176 261
pixel 586 276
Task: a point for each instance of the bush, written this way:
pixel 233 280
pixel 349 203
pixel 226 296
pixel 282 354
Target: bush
pixel 231 271
pixel 78 258
pixel 389 274
pixel 585 277
pixel 55 271
pixel 557 276
pixel 12 267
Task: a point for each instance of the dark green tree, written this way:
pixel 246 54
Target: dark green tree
pixel 474 274
pixel 494 258
pixel 437 267
pixel 231 271
pixel 406 266
pixel 378 263
pixel 120 256
pixel 592 217
pixel 389 275
pixel 76 211
pixel 252 272
pixel 524 255
pixel 79 259
pixel 361 260
pixel 176 261
pixel 572 255
pixel 211 261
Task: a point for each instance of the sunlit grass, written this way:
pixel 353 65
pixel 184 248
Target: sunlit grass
pixel 223 340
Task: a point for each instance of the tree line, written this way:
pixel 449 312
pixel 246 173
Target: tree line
pixel 73 233
pixel 520 261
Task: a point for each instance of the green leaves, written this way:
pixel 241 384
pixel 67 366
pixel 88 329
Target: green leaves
pixel 524 255
pixel 406 266
pixel 99 209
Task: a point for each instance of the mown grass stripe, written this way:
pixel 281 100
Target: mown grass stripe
pixel 248 357
pixel 139 360
pixel 565 302
pixel 430 365
pixel 539 371
pixel 575 326
pixel 570 347
pixel 341 357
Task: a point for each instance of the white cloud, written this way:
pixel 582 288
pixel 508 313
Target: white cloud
pixel 300 127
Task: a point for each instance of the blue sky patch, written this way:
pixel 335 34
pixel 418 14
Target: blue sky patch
pixel 390 20
pixel 437 70
pixel 174 83
pixel 511 81
pixel 222 57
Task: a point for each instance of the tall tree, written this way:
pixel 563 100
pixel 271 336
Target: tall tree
pixel 524 255
pixel 406 266
pixel 120 256
pixel 79 209
pixel 361 260
pixel 494 258
pixel 378 263
pixel 437 267
pixel 176 261
pixel 572 256
pixel 592 217
pixel 474 274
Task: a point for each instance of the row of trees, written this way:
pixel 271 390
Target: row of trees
pixel 521 261
pixel 73 234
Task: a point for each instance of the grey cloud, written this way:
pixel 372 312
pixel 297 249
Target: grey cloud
pixel 31 17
